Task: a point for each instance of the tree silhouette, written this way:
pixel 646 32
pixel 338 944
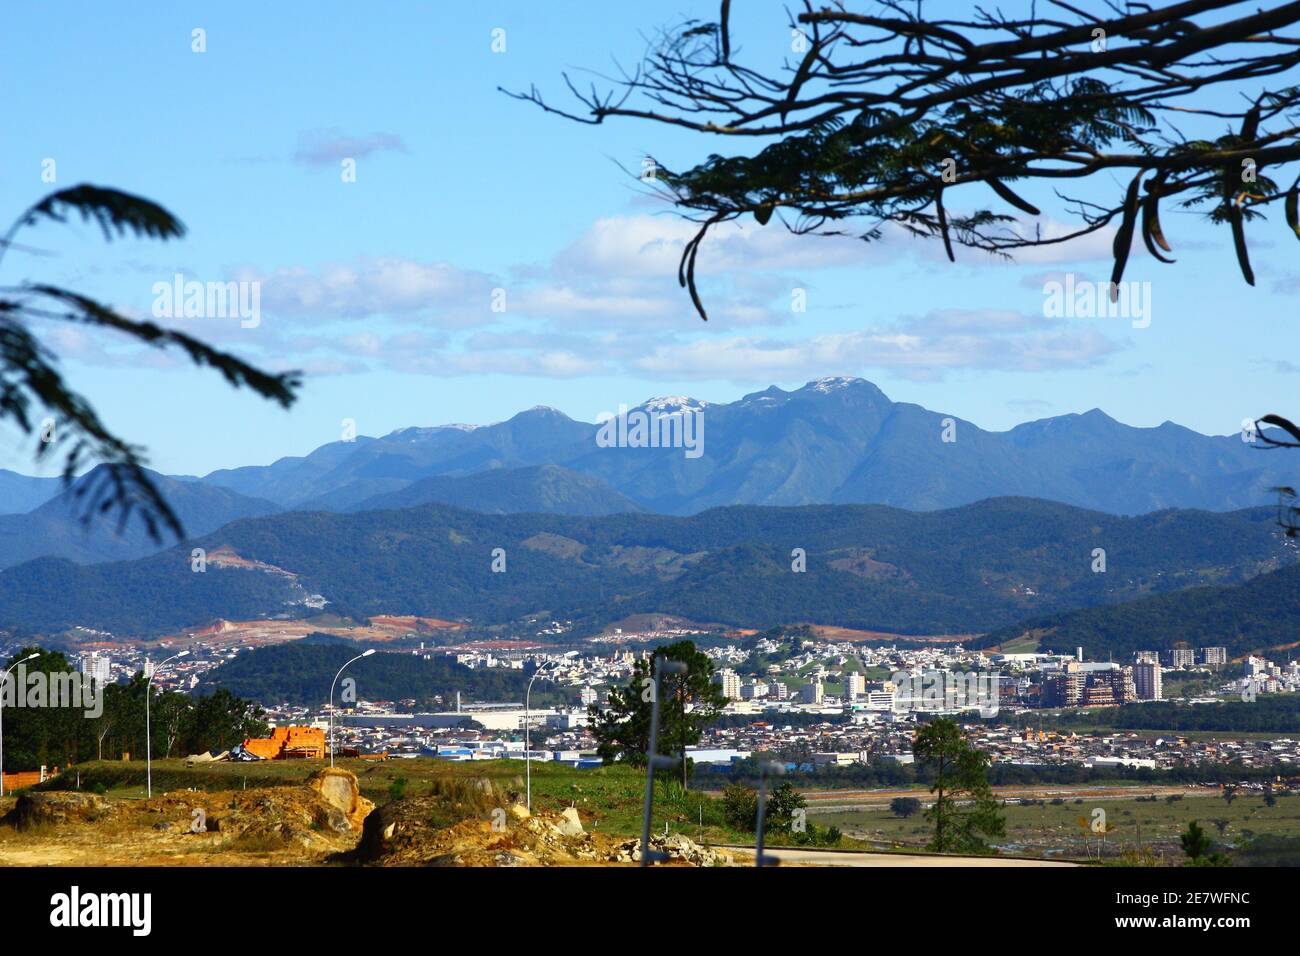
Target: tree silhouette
pixel 30 380
pixel 883 116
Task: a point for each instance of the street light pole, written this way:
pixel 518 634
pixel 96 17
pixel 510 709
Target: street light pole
pixel 528 756
pixel 4 681
pixel 332 683
pixel 148 738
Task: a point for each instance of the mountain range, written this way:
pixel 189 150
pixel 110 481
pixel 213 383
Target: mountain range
pixel 834 441
pixel 58 527
pixel 965 570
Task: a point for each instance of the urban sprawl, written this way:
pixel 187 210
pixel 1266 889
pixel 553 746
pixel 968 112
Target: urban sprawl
pixel 823 703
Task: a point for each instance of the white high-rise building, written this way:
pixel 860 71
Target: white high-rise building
pixel 1215 655
pixel 95 666
pixel 855 685
pixel 730 682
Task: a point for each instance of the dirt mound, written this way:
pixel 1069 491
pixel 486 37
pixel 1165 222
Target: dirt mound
pixel 263 820
pixel 413 832
pixel 37 808
pixel 277 824
pixel 407 833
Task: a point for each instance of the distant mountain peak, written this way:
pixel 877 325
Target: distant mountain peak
pixel 672 403
pixel 549 411
pixel 833 383
pixel 415 432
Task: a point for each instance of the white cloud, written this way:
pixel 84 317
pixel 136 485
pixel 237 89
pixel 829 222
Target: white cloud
pixel 438 292
pixel 909 349
pixel 326 147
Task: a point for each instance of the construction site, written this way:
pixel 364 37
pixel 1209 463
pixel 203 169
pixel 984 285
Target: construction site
pixel 292 810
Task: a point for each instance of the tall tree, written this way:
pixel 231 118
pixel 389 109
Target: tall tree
pixel 689 703
pixel 219 721
pixel 888 115
pixel 964 812
pixel 49 728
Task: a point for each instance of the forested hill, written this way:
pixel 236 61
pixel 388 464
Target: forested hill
pixel 964 570
pixel 300 673
pixel 1252 616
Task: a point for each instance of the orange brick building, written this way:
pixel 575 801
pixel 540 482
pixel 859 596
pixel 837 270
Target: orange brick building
pixel 289 743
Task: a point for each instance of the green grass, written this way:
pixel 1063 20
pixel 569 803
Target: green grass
pixel 1024 644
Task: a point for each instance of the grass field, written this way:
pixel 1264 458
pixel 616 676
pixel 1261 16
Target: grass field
pixel 610 799
pixel 1052 827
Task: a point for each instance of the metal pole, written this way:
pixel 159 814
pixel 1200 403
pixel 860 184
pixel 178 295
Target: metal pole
pixel 528 755
pixel 776 770
pixel 528 751
pixel 148 739
pixel 653 758
pixel 332 683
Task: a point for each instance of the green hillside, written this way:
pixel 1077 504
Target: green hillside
pixel 968 569
pixel 1258 614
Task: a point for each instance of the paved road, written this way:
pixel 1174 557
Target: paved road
pixel 833 801
pixel 801 857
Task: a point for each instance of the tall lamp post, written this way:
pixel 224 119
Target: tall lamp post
pixel 528 754
pixel 335 681
pixel 3 683
pixel 148 739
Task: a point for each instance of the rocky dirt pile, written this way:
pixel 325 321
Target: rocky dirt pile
pixel 415 831
pixel 325 816
pixel 57 808
pixel 679 848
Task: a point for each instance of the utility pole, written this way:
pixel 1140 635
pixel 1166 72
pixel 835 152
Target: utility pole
pixel 655 760
pixel 776 770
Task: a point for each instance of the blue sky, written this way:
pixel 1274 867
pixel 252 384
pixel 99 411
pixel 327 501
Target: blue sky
pixel 380 289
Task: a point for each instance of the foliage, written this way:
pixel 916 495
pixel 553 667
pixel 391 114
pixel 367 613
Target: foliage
pixel 964 812
pixel 740 807
pixel 1242 617
pixel 1267 713
pixel 1197 845
pixel 947 572
pixel 301 673
pixel 688 705
pixel 904 806
pixel 64 735
pixel 30 380
pixel 887 117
